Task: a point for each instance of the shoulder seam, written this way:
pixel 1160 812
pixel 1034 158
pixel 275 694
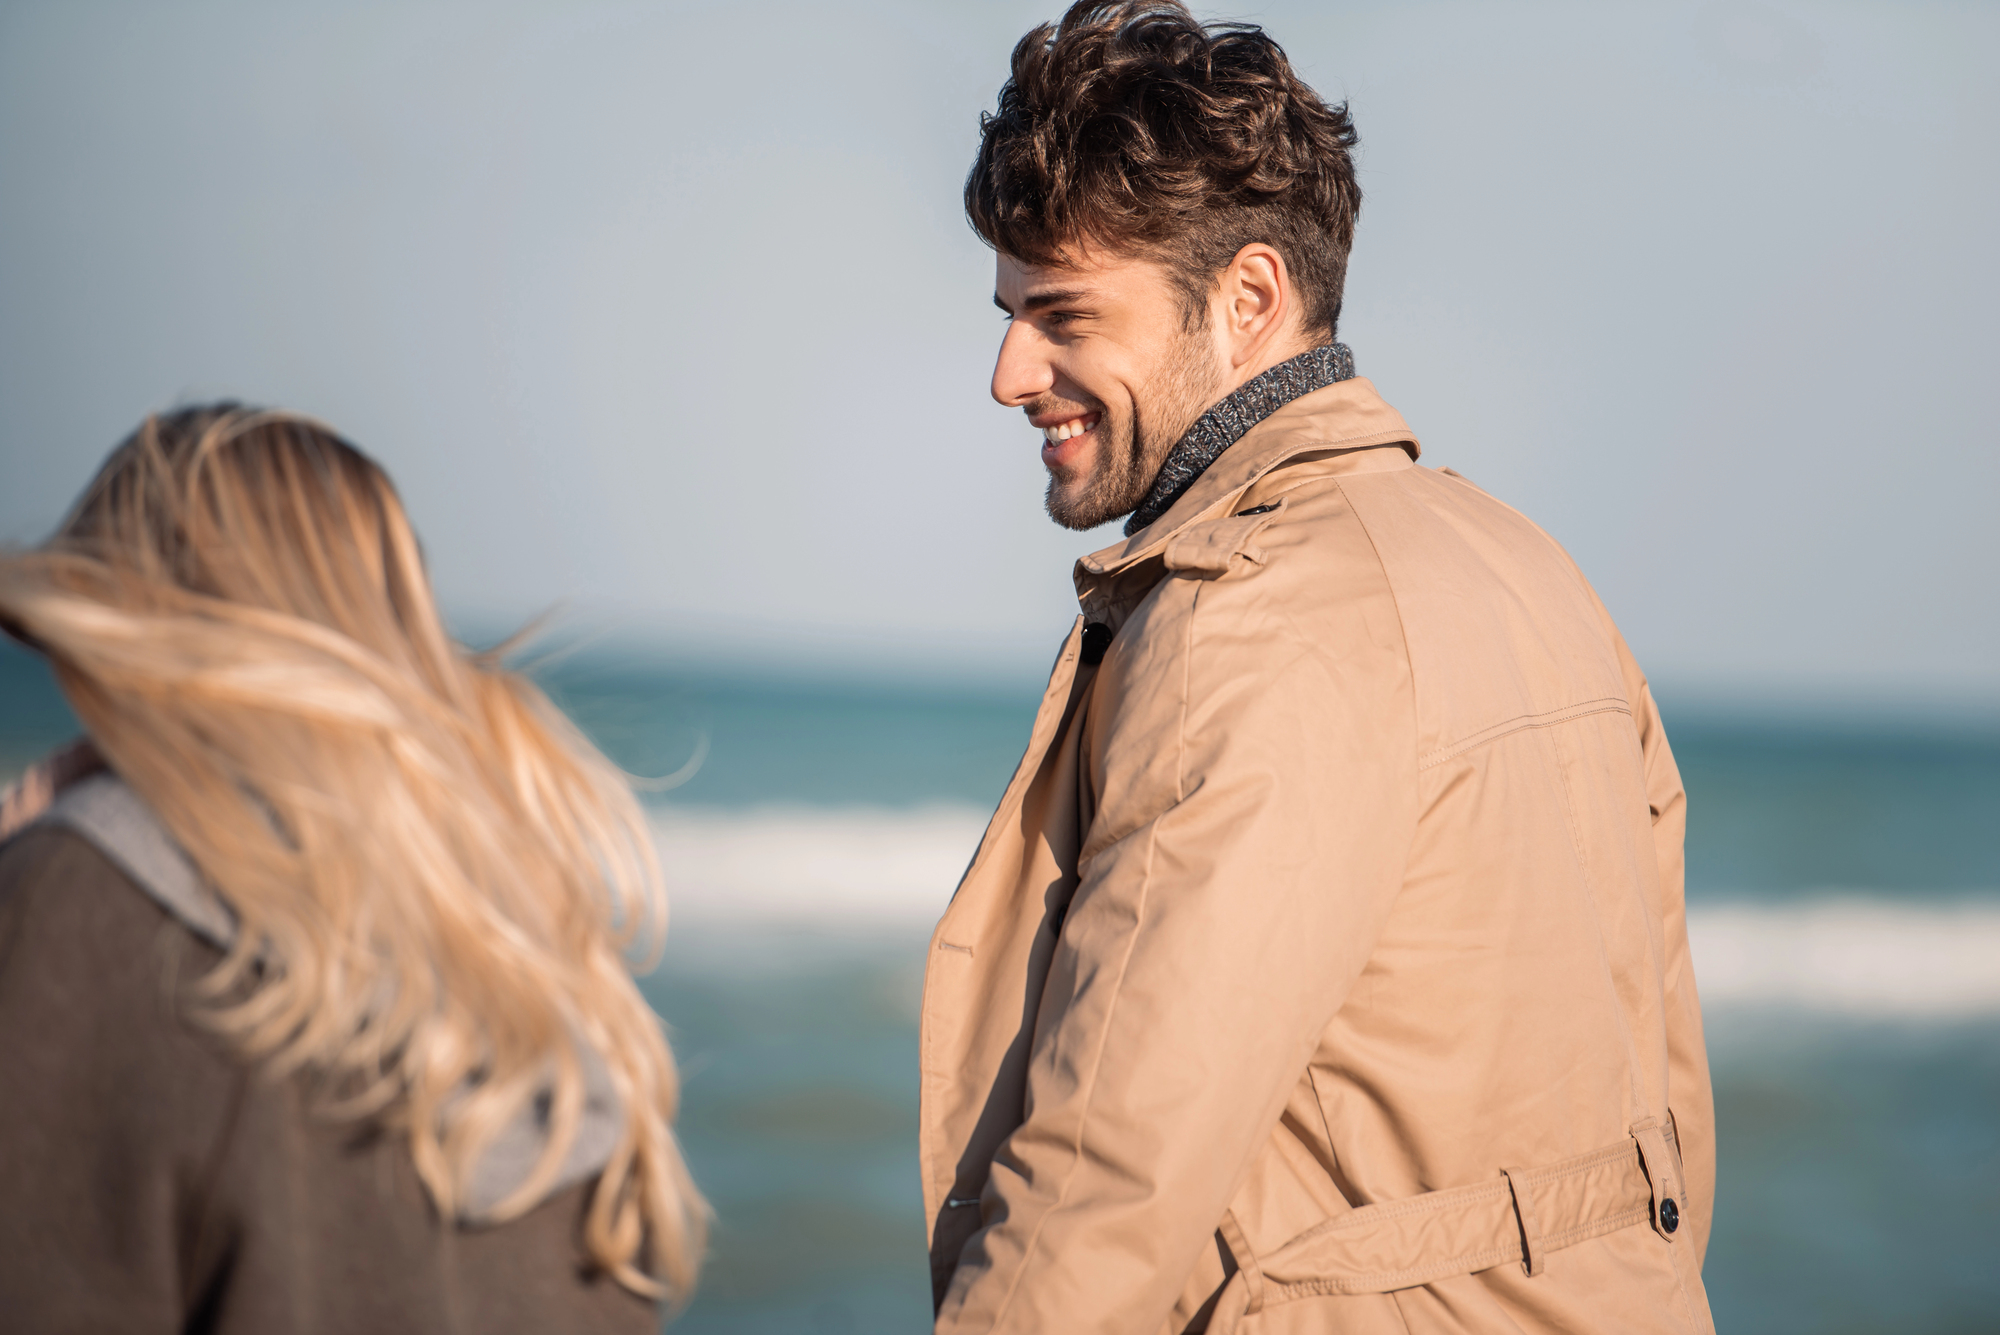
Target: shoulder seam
pixel 1395 600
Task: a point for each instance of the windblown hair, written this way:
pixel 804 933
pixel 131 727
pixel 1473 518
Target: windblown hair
pixel 1132 126
pixel 438 880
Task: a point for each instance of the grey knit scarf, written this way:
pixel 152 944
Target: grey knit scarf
pixel 1224 424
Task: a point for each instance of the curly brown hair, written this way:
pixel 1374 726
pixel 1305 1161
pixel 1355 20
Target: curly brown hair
pixel 1132 125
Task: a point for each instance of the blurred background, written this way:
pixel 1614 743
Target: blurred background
pixel 665 317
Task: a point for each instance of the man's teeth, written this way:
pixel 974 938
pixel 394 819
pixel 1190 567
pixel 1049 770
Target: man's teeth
pixel 1076 426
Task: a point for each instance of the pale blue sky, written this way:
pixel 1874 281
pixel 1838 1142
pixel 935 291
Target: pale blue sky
pixel 669 311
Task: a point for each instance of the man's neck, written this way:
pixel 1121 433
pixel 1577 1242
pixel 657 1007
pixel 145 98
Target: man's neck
pixel 1277 354
pixel 1229 418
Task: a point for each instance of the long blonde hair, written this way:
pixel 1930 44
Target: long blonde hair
pixel 438 880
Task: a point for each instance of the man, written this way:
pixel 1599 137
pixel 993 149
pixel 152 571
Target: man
pixel 1324 967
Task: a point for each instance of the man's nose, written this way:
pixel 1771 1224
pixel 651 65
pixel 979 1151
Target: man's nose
pixel 1022 373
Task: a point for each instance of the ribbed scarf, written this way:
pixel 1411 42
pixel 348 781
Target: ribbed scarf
pixel 1224 424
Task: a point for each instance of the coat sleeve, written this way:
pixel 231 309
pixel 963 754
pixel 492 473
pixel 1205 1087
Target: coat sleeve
pixel 1255 807
pixel 1690 1096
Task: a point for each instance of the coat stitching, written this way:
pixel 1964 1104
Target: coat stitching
pixel 1610 704
pixel 1379 1281
pixel 1187 688
pixel 1395 601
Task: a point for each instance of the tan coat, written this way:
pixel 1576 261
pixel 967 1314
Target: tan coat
pixel 1325 966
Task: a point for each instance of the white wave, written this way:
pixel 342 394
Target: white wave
pixel 1852 955
pixel 820 867
pixel 862 869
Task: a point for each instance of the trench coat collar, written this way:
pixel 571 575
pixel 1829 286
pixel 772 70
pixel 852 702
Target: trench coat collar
pixel 1345 416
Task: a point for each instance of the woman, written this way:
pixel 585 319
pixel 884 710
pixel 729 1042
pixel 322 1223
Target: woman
pixel 315 1011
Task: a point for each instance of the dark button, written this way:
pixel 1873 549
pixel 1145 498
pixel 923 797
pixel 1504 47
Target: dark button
pixel 1258 510
pixel 1670 1215
pixel 1096 639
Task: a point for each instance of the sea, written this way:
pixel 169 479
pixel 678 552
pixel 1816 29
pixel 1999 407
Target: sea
pixel 1844 909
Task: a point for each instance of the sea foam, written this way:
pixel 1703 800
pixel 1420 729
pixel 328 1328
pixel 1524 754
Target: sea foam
pixel 894 870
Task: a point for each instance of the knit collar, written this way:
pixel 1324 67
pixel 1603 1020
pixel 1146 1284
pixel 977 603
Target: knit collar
pixel 1224 424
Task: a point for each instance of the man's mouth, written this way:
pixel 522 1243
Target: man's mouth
pixel 1063 441
pixel 1075 426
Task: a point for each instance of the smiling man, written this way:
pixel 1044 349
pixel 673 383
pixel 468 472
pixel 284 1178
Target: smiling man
pixel 1324 967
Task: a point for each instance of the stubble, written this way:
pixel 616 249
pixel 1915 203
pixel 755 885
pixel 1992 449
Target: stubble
pixel 1130 454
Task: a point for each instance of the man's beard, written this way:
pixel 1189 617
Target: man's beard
pixel 1131 450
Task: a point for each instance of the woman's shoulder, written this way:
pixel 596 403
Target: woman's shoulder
pixel 96 956
pixel 68 907
pixel 91 964
pixel 114 820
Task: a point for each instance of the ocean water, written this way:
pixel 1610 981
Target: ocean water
pixel 1844 892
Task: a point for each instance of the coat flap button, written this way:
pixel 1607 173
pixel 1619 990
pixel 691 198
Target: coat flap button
pixel 1670 1215
pixel 1207 550
pixel 1096 639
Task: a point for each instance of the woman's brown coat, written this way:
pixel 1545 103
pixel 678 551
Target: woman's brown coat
pixel 1351 875
pixel 152 1183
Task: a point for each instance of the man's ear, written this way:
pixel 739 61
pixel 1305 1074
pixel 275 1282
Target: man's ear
pixel 1256 303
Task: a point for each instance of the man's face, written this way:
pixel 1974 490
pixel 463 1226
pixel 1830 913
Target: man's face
pixel 1098 356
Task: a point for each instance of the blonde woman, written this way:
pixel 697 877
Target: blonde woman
pixel 315 1008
